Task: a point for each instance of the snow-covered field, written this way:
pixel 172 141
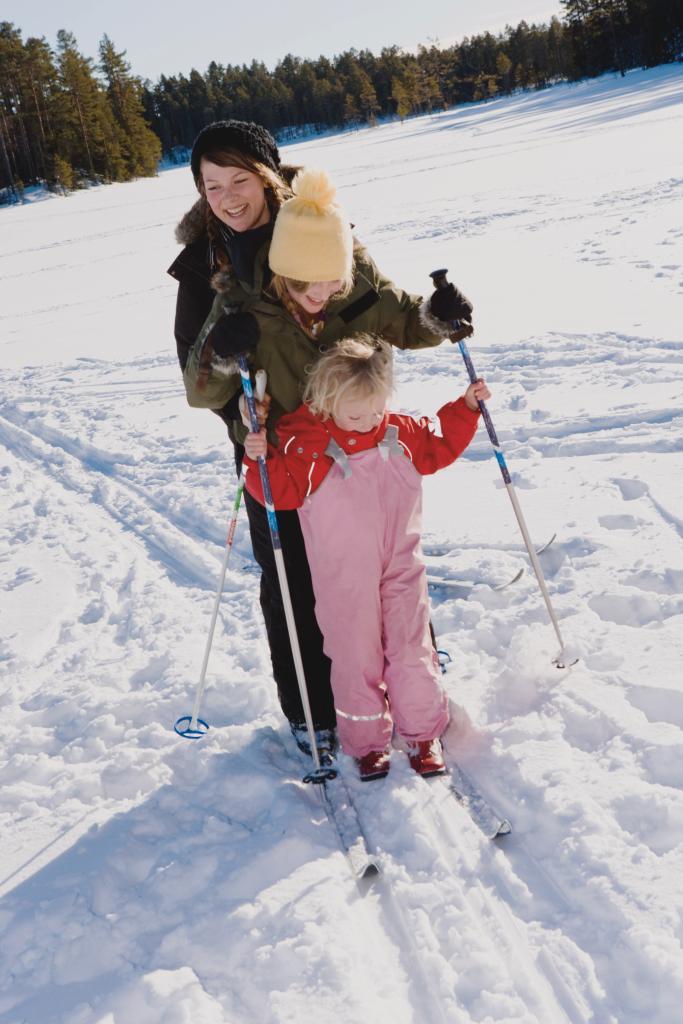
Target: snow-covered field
pixel 146 879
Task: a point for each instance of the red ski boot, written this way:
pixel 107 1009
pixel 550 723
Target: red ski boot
pixel 426 757
pixel 374 765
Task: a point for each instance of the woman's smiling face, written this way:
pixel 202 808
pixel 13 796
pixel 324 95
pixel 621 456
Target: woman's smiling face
pixel 236 196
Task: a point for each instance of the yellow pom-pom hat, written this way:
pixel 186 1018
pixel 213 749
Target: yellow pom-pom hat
pixel 312 238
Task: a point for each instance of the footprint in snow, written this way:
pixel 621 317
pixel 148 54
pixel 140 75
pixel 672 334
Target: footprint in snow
pixel 631 489
pixel 620 522
pixel 632 610
pixel 658 704
pixel 664 581
pixel 21 576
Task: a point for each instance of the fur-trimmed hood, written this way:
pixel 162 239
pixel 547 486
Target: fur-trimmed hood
pixel 192 225
pixel 191 232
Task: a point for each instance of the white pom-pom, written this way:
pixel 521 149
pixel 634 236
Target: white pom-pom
pixel 315 188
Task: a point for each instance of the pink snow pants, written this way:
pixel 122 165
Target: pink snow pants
pixel 362 537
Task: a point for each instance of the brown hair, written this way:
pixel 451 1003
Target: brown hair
pixel 276 188
pixel 360 367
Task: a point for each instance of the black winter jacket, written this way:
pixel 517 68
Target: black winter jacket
pixel 193 271
pixel 195 295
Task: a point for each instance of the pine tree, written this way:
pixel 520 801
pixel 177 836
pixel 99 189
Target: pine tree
pixel 63 174
pixel 41 89
pixel 400 97
pixel 412 83
pixel 367 99
pixel 12 130
pixel 89 138
pixel 139 145
pixel 504 71
pixel 28 89
pixel 351 113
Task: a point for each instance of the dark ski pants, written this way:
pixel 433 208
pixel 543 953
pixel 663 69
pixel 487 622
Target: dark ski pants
pixel 316 663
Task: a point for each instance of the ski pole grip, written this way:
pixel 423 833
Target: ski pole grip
pixel 439 278
pixel 248 393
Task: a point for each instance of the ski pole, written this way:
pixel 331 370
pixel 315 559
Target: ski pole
pixel 191 727
pixel 320 773
pixel 441 281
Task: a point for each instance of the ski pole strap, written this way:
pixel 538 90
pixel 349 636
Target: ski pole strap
pixel 235 510
pixel 265 481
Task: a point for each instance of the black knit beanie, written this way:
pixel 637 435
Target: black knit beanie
pixel 245 136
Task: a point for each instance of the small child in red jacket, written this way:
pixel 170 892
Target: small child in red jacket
pixel 354 470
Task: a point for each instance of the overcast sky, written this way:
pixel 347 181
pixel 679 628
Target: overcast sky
pixel 174 35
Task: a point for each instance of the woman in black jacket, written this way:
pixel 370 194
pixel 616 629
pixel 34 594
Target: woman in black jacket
pixel 229 159
pixel 242 184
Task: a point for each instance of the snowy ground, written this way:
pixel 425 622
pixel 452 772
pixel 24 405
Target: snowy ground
pixel 152 880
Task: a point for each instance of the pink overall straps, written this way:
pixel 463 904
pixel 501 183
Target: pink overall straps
pixel 362 534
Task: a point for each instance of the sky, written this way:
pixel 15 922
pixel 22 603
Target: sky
pixel 168 38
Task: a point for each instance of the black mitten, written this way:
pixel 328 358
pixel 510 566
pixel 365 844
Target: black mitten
pixel 465 330
pixel 234 334
pixel 450 304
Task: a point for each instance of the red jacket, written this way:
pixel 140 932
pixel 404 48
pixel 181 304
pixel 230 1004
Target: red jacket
pixel 299 465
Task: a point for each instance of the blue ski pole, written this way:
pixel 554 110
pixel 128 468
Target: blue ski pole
pixel 320 773
pixel 441 281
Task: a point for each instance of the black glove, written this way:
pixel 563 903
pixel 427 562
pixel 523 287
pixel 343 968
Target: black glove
pixel 234 334
pixel 465 330
pixel 450 304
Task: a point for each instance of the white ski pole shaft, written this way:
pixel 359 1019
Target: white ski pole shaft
pixel 512 493
pixel 221 583
pixel 201 685
pixel 536 565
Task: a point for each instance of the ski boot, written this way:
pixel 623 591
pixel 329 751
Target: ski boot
pixel 374 765
pixel 426 757
pixel 325 741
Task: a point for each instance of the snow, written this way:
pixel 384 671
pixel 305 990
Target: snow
pixel 151 879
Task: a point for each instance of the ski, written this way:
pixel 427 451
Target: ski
pixel 337 806
pixel 544 547
pixel 343 816
pixel 460 786
pixel 464 586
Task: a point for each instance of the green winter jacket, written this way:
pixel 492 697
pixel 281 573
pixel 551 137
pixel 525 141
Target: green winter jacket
pixel 285 351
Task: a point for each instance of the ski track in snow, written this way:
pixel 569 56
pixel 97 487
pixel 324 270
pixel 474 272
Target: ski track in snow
pixel 150 879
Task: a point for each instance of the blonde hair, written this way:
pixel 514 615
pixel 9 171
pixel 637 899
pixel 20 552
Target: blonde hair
pixel 359 367
pixel 278 287
pixel 278 284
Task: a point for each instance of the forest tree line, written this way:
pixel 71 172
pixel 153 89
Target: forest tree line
pixel 66 120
